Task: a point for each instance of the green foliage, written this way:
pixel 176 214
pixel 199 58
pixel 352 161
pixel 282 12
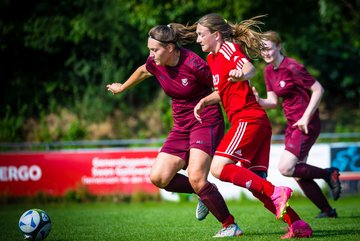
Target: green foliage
pixel 79 194
pixel 325 40
pixel 62 56
pixel 75 132
pixel 347 122
pixel 10 125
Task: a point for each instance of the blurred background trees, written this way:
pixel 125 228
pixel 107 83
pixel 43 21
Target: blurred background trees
pixel 57 57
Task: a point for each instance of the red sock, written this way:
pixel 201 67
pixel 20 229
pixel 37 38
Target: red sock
pixel 268 203
pixel 179 183
pixel 306 171
pixel 213 200
pixel 243 177
pixel 230 220
pixel 289 217
pixel 312 190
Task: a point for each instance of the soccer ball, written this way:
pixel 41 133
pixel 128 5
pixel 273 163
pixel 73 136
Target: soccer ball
pixel 35 224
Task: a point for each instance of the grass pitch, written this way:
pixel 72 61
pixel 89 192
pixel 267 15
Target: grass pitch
pixel 157 221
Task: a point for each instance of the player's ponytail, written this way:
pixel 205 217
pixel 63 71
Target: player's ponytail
pixel 184 34
pixel 174 33
pixel 247 33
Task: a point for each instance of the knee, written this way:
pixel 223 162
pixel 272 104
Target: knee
pixel 157 180
pixel 285 170
pixel 215 170
pixel 197 178
pixel 197 182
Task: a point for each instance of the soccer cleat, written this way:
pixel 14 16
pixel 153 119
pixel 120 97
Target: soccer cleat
pixel 298 229
pixel 280 199
pixel 201 210
pixel 329 214
pixel 232 230
pixel 334 182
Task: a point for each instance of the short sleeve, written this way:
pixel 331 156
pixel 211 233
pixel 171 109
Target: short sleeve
pixel 150 65
pixel 239 59
pixel 301 76
pixel 201 70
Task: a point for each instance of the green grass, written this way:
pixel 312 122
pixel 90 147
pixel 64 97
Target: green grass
pixel 176 221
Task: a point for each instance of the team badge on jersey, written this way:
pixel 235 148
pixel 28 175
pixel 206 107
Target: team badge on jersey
pixel 282 84
pixel 185 82
pixel 216 79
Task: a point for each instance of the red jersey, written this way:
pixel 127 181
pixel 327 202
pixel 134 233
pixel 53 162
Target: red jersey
pixel 186 83
pixel 237 97
pixel 291 81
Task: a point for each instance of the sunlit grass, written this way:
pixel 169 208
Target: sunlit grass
pixel 176 221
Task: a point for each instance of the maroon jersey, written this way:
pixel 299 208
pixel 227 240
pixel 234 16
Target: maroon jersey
pixel 291 81
pixel 186 83
pixel 237 97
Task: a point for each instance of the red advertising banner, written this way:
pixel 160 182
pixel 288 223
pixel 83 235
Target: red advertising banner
pixel 54 173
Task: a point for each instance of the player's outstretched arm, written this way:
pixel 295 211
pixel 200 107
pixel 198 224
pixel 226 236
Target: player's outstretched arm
pixel 139 75
pixel 271 101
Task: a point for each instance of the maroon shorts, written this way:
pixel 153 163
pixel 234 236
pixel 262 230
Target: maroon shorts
pixel 204 136
pixel 249 144
pixel 299 143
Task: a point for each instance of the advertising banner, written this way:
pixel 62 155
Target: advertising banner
pixel 108 171
pixel 54 173
pixel 346 157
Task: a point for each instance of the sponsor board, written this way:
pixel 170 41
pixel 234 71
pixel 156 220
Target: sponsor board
pixel 54 173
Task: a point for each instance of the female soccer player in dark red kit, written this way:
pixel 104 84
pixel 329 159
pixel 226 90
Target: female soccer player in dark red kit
pixel 186 78
pixel 242 157
pixel 301 94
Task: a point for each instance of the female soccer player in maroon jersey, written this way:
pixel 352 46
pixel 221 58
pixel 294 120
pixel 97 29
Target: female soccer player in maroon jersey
pixel 242 157
pixel 186 78
pixel 301 93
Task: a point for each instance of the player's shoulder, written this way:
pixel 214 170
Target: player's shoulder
pixel 291 62
pixel 293 65
pixel 187 53
pixel 150 65
pixel 191 59
pixel 230 50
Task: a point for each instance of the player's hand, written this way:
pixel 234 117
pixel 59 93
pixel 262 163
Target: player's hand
pixel 198 109
pixel 302 124
pixel 114 88
pixel 235 75
pixel 256 94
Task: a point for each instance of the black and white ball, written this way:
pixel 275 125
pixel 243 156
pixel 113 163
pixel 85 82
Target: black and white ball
pixel 35 224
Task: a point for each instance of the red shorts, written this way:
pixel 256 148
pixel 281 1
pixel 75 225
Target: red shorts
pixel 299 143
pixel 204 136
pixel 249 144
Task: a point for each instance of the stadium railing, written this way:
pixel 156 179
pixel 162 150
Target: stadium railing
pixel 142 143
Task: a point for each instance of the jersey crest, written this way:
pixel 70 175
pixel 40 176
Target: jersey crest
pixel 184 82
pixel 282 84
pixel 216 79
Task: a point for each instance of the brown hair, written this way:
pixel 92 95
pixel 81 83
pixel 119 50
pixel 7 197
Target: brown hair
pixel 247 33
pixel 175 33
pixel 273 37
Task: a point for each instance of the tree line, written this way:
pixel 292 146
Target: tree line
pixel 58 56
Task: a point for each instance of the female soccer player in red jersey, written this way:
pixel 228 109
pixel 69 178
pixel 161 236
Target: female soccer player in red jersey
pixel 301 93
pixel 242 157
pixel 186 78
